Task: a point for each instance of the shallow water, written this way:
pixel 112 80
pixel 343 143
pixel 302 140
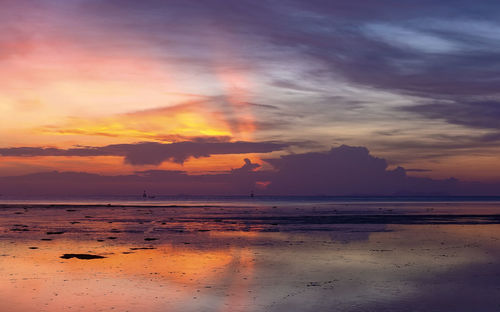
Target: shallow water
pixel 341 257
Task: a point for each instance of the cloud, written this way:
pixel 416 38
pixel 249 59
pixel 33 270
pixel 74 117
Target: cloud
pixel 290 85
pixel 152 153
pixel 348 170
pixel 248 166
pixel 239 181
pixel 367 43
pixel 485 114
pixel 325 65
pixel 407 38
pixel 343 170
pixel 418 170
pixel 186 121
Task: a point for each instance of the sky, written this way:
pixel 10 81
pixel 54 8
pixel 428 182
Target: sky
pixel 116 88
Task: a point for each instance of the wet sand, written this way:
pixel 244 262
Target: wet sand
pixel 400 257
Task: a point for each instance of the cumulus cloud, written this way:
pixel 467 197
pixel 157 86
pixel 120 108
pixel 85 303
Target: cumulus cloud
pixel 340 171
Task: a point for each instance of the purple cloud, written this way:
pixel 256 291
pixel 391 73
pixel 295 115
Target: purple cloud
pixel 485 114
pixel 344 170
pixel 151 153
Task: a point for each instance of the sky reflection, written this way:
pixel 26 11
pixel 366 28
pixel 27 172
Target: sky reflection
pixel 204 267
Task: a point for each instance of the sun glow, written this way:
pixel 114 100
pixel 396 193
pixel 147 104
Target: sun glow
pixel 168 124
pixel 67 94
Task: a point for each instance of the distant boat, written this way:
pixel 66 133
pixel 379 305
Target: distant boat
pixel 144 195
pixel 252 194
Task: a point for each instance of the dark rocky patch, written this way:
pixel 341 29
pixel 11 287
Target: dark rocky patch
pixel 81 256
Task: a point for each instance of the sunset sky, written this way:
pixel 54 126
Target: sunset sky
pixel 88 84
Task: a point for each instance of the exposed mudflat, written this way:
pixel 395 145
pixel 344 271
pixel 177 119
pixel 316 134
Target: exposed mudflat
pixel 262 258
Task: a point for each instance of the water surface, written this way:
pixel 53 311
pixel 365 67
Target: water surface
pixel 250 255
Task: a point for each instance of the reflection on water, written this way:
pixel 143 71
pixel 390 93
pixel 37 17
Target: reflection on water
pixel 198 260
pixel 142 280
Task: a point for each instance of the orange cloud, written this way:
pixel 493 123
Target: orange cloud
pixel 167 124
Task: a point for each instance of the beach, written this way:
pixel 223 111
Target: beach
pixel 250 256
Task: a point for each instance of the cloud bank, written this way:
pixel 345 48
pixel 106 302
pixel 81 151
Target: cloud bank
pixel 151 153
pixel 341 171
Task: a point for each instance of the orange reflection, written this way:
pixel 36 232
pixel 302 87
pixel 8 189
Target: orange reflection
pixel 241 284
pixel 139 280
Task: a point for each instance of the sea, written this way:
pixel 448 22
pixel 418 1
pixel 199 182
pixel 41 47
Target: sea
pixel 249 254
pixel 340 204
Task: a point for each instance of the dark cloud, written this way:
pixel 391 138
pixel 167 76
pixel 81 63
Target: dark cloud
pixel 493 137
pixel 152 153
pixel 437 146
pixel 155 153
pixel 344 170
pixel 400 46
pixel 239 181
pixel 290 85
pixel 429 48
pixel 484 114
pixel 267 106
pixel 348 170
pixel 248 166
pixel 418 170
pixel 340 171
